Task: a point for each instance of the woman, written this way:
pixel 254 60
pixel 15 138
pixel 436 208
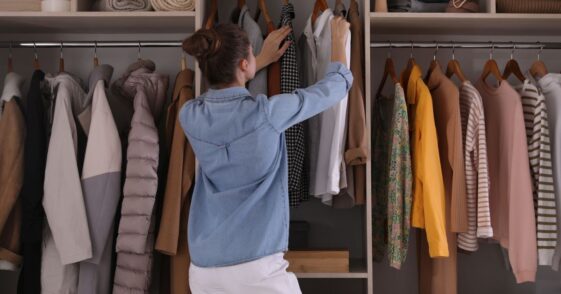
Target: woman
pixel 238 222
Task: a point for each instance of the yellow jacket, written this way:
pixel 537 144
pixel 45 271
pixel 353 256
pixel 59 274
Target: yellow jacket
pixel 428 187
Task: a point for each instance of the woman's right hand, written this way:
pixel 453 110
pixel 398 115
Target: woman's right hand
pixel 339 34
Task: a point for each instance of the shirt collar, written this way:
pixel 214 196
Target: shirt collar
pixel 226 94
pixel 411 82
pixel 12 86
pixel 184 79
pixel 322 21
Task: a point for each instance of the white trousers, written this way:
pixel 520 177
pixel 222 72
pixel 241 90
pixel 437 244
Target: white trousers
pixel 266 275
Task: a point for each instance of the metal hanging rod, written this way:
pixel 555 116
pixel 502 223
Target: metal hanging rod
pixel 468 45
pixel 90 44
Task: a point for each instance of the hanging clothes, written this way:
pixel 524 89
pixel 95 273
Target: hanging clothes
pixel 550 85
pixel 12 132
pixel 295 135
pixel 539 151
pixel 67 236
pixel 512 208
pixel 135 240
pixel 476 168
pixel 439 276
pixel 101 182
pixel 326 131
pixel 172 237
pixel 428 211
pixel 356 149
pixel 392 178
pixel 260 193
pixel 35 151
pixel 258 85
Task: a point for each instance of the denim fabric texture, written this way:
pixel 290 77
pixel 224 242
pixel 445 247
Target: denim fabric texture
pixel 239 210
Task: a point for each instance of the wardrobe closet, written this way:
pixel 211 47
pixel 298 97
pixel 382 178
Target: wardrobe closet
pixel 351 229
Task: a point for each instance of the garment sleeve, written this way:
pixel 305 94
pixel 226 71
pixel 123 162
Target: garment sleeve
pixel 63 200
pixel 458 205
pixel 522 244
pixel 484 228
pixel 286 110
pixel 429 189
pixel 101 174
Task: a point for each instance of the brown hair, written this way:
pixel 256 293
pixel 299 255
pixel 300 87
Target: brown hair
pixel 218 51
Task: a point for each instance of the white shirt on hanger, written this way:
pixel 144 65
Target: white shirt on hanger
pixel 326 131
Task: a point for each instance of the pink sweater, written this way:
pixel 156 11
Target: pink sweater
pixel 512 207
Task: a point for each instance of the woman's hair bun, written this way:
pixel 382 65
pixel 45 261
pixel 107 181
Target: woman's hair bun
pixel 202 44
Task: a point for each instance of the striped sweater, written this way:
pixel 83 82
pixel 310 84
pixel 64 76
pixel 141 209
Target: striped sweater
pixel 476 168
pixel 539 151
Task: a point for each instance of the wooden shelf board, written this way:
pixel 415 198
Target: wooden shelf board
pixel 357 269
pixel 97 22
pixel 465 23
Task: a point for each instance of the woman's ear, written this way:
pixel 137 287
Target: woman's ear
pixel 244 65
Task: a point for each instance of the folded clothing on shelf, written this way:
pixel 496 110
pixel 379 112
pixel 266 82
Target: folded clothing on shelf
pixel 463 6
pixel 55 5
pixel 526 6
pixel 173 5
pixel 429 5
pixel 122 5
pixel 417 5
pixel 20 5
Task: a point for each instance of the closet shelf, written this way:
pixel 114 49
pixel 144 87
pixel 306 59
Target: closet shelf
pixel 98 22
pixel 474 24
pixel 357 269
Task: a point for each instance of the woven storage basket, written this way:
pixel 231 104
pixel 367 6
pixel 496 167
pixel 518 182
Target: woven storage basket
pixel 529 6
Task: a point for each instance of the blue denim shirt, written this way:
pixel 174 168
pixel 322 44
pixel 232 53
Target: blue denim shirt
pixel 239 208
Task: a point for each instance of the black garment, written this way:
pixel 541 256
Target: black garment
pixel 31 197
pixel 295 137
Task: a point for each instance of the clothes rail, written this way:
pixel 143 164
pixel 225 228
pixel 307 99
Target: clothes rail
pixel 468 45
pixel 90 44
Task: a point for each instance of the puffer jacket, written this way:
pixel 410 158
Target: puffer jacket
pixel 135 240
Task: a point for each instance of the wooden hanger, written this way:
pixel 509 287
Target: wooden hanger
pixel 213 14
pixel 95 60
pixel 36 64
pixel 319 7
pixel 10 63
pixel 538 69
pixel 61 60
pixel 512 67
pixel 434 63
pixel 241 3
pixel 410 63
pixel 389 70
pixel 263 10
pixel 454 67
pixel 285 2
pixel 491 68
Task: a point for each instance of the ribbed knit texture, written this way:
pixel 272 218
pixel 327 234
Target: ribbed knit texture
pixel 527 6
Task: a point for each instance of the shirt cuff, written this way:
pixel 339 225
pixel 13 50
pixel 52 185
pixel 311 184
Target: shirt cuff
pixel 356 156
pixel 9 256
pixel 525 276
pixel 338 67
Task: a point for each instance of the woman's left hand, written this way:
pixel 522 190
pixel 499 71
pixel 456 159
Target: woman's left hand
pixel 272 50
